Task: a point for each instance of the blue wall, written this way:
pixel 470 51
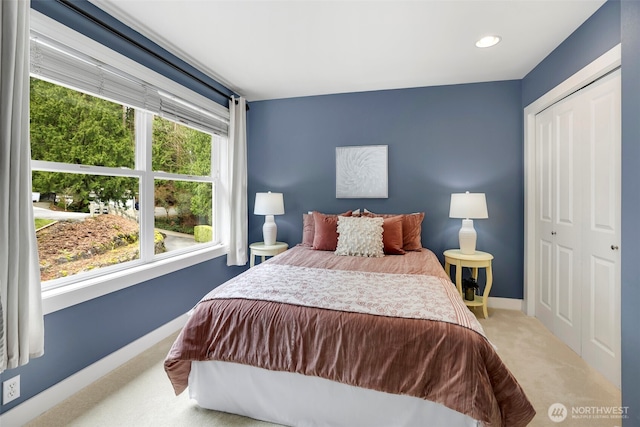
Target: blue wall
pixel 81 335
pixel 630 21
pixel 441 140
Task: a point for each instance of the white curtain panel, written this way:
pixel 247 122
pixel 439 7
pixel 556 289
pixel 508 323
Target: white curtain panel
pixel 22 333
pixel 238 216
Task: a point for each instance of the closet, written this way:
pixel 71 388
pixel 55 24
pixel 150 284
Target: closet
pixel 577 193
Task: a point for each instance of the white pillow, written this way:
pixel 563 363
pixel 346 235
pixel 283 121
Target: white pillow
pixel 360 236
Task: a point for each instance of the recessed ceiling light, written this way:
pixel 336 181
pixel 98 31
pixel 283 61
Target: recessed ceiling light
pixel 488 41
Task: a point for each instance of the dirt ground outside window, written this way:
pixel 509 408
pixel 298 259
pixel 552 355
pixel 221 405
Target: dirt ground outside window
pixel 66 247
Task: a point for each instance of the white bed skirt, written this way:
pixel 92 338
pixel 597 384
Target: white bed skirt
pixel 306 401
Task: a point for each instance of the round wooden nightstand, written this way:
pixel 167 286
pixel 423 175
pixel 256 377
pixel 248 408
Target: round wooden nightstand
pixel 262 250
pixel 474 261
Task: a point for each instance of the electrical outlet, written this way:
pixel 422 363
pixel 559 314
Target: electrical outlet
pixel 10 389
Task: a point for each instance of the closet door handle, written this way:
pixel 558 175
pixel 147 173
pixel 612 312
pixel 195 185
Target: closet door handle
pixel 614 247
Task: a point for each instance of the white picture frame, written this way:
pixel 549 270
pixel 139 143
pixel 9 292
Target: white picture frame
pixel 362 172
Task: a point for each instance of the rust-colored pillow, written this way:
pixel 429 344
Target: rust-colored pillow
pixel 392 235
pixel 325 236
pixel 411 229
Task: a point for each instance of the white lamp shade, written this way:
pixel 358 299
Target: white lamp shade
pixel 269 204
pixel 468 206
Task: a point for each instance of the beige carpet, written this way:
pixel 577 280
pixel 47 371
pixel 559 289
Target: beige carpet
pixel 139 393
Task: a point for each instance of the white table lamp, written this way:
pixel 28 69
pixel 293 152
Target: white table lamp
pixel 468 206
pixel 269 204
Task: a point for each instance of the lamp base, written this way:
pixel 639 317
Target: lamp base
pixel 467 237
pixel 269 230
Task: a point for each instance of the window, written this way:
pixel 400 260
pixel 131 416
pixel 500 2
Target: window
pixel 126 163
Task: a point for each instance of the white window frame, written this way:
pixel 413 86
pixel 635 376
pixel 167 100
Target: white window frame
pixel 87 287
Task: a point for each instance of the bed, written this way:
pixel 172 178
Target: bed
pixel 311 338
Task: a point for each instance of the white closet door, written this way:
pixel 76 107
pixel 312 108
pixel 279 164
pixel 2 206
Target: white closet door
pixel 558 140
pixel 545 260
pixel 578 222
pixel 567 219
pixel 601 235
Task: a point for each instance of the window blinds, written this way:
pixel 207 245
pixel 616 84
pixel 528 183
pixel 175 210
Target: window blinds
pixel 59 64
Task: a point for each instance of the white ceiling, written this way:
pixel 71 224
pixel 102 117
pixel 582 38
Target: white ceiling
pixel 267 49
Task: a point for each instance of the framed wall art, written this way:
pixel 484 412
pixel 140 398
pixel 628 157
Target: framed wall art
pixel 362 172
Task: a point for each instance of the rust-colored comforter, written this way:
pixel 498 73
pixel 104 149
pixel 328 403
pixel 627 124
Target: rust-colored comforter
pixel 443 357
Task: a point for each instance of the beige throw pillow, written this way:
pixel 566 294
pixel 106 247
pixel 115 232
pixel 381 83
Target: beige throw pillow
pixel 360 236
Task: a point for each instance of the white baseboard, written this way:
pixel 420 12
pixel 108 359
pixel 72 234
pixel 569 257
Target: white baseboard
pixel 506 303
pixel 42 402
